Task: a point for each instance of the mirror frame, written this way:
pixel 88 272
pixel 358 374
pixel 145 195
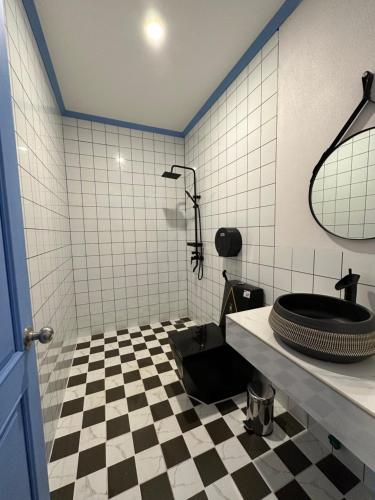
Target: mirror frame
pixel 367 79
pixel 314 176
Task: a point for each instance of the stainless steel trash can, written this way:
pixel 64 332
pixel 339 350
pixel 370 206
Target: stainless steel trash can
pixel 260 399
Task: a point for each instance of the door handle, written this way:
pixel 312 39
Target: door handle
pixel 45 335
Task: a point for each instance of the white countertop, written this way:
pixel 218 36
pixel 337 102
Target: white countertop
pixel 355 382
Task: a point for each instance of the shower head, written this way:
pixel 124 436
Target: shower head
pixel 170 175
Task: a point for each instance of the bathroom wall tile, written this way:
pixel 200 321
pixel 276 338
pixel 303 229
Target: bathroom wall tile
pixel 283 279
pixel 302 282
pixel 40 150
pixel 283 257
pixel 363 266
pixel 303 260
pixel 325 286
pixel 130 223
pixel 328 263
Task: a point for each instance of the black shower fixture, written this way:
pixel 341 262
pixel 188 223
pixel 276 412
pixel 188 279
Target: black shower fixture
pixel 171 175
pixel 197 253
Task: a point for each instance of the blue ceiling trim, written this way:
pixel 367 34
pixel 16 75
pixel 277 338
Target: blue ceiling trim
pixel 121 123
pixel 36 27
pixel 273 25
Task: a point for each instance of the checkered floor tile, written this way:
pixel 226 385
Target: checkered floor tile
pixel 128 431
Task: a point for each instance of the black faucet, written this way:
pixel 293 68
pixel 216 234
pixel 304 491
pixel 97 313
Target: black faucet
pixel 350 284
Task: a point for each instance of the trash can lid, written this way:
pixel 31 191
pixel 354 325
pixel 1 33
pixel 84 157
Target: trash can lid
pixel 261 391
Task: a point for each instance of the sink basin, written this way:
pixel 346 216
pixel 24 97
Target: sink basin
pixel 324 327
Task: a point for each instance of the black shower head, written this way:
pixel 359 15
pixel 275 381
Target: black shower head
pixel 170 175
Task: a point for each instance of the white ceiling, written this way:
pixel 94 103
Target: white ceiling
pixel 105 66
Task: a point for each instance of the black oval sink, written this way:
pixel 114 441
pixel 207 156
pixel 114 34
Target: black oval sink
pixel 324 327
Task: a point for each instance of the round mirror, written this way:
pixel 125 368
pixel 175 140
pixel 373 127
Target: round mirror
pixel 342 191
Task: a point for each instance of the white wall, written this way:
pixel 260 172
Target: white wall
pixel 233 148
pixel 128 226
pixel 325 46
pixel 40 149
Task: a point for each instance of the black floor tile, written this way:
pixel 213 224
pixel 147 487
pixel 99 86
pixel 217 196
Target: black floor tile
pixel 77 380
pixel 175 451
pixel 96 365
pixel 117 426
pixel 149 338
pixel 91 460
pixel 110 340
pixel 124 343
pixel 95 386
pixel 112 353
pixel 251 484
pixel 96 349
pixel 136 335
pixel 165 323
pixel 174 389
pixel 219 431
pixel 97 336
pixel 226 406
pixel 121 477
pixel 155 350
pixel 161 410
pixel 144 438
pixel 253 444
pixel 143 362
pixel 151 382
pixel 114 394
pixel 131 376
pixel 292 456
pixel 157 488
pixel 113 370
pixel 210 467
pixel 65 445
pixel 179 326
pixel 139 347
pixel 163 367
pixel 125 358
pixel 292 491
pixel 164 341
pixel 123 332
pixel 188 420
pixel 64 493
pixel 82 360
pixel 145 327
pixel 169 355
pixel 289 424
pixel 137 401
pixel 199 496
pixel 83 345
pixel 338 473
pixel 94 416
pixel 73 406
pixel 159 330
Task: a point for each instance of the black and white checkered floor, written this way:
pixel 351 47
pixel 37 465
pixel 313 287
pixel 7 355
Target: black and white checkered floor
pixel 128 431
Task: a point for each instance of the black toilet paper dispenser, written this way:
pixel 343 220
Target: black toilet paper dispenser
pixel 228 241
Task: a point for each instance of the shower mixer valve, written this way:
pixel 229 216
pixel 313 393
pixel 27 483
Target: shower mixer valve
pixel 197 257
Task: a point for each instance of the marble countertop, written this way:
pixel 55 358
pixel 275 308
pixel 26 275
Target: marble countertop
pixel 355 382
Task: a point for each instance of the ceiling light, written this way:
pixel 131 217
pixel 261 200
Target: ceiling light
pixel 154 30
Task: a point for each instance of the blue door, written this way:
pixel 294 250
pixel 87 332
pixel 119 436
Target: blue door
pixel 23 469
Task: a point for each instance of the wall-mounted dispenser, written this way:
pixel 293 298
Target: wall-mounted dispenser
pixel 228 241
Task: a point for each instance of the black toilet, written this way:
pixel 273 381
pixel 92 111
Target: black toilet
pixel 210 369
